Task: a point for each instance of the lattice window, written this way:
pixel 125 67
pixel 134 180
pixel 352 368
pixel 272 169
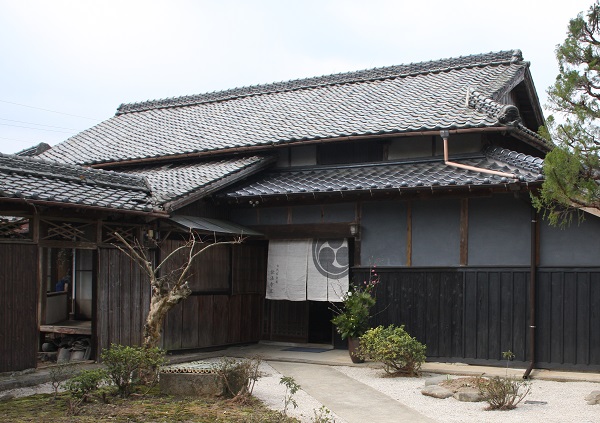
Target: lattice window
pixel 129 233
pixel 12 227
pixel 67 231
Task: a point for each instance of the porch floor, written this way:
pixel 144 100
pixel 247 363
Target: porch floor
pixel 70 327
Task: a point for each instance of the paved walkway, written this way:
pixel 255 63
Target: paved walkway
pixel 345 396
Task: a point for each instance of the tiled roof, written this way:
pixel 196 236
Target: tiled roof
pixel 394 176
pixel 37 180
pixel 34 150
pixel 175 183
pixel 416 97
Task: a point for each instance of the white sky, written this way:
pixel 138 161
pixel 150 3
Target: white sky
pixel 84 58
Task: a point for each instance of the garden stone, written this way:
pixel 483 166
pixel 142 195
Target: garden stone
pixel 434 380
pixel 593 398
pixel 436 391
pixel 468 395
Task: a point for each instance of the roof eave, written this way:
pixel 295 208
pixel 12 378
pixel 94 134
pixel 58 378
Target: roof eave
pixel 208 189
pixel 503 187
pixel 152 213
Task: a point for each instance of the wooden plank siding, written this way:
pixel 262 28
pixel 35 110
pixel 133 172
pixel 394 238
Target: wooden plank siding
pixel 472 315
pixel 210 318
pixel 122 300
pixel 18 307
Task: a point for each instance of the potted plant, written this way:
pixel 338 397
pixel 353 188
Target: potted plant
pixel 352 318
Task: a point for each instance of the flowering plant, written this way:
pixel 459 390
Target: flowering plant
pixel 352 320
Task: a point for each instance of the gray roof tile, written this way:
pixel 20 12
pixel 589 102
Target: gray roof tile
pixel 176 181
pixel 393 175
pixel 415 97
pixel 35 179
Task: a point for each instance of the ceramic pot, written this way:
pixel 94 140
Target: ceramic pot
pixel 353 350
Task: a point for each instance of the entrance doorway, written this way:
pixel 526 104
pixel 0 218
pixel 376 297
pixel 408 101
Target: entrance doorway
pixel 298 321
pixel 67 304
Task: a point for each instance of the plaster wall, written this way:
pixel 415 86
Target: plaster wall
pixel 499 231
pixel 318 213
pixel 436 233
pixel 577 245
pixel 383 233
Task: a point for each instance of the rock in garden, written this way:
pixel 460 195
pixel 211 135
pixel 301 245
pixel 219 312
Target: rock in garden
pixel 593 398
pixel 436 391
pixel 468 395
pixel 435 380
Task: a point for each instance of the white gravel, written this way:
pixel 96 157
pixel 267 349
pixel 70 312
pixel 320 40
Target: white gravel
pixel 565 400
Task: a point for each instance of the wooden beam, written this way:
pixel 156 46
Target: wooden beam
pixel 315 230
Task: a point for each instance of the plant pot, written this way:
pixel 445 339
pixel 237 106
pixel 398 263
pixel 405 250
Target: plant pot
pixel 353 350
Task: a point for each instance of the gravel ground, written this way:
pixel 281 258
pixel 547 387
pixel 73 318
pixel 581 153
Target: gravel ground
pixel 565 400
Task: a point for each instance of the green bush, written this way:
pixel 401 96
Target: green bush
pixel 82 385
pixel 399 352
pixel 503 393
pixel 130 366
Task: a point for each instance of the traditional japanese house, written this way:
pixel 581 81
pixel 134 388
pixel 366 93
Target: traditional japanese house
pixel 423 170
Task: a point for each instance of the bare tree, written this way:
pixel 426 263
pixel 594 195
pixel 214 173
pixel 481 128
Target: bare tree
pixel 168 288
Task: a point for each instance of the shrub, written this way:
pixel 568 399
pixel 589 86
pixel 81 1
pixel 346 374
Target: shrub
pixel 399 352
pixel 82 386
pixel 58 374
pixel 129 366
pixel 84 383
pixel 352 320
pixel 238 376
pixel 503 393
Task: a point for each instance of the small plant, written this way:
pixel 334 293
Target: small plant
pixel 58 375
pixel 323 415
pixel 352 320
pixel 291 387
pixel 503 393
pixel 151 360
pixel 129 366
pixel 239 376
pixel 508 356
pixel 82 386
pixel 399 352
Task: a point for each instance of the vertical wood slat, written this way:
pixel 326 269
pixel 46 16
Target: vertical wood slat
pixel 123 298
pixel 18 307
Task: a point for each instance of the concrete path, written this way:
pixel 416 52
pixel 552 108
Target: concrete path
pixel 353 401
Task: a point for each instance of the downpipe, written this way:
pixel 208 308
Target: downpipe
pixel 532 302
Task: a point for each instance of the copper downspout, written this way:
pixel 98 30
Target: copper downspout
pixel 445 135
pixel 532 302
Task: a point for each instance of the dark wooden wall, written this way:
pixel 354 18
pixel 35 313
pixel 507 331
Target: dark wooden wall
pixel 568 319
pixel 18 306
pixel 213 319
pixel 122 300
pixel 473 315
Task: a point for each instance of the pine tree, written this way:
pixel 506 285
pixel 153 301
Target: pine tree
pixel 572 168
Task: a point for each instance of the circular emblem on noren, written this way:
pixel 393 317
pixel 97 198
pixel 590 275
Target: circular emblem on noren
pixel 331 257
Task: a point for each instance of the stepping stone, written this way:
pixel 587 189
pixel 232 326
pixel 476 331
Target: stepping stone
pixel 436 391
pixel 468 395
